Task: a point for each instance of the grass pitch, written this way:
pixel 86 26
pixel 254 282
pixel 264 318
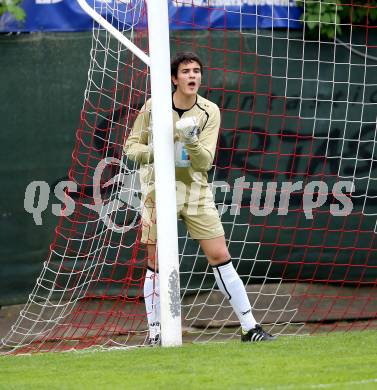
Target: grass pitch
pixel 335 361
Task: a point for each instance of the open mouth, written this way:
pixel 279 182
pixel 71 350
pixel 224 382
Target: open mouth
pixel 191 84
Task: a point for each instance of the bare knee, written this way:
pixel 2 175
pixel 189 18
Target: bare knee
pixel 152 265
pixel 151 257
pixel 218 257
pixel 216 250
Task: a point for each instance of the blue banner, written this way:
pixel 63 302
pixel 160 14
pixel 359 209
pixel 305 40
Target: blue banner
pixel 67 15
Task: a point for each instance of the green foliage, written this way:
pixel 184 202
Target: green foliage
pixel 12 7
pixel 325 18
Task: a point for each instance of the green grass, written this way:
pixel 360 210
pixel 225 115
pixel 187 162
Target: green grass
pixel 336 361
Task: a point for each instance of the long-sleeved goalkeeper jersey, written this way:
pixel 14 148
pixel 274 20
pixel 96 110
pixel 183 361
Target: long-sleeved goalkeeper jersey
pixel 201 152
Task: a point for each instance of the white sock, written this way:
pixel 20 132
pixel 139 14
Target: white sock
pixel 152 301
pixel 230 284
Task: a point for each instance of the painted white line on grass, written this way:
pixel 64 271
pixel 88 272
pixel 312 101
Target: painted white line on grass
pixel 361 382
pixel 320 385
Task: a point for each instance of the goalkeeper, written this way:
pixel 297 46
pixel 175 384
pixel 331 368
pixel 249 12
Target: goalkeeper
pixel 196 127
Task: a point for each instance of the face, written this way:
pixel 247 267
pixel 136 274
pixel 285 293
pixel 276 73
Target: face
pixel 188 78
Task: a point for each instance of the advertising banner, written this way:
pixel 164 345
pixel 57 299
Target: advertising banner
pixel 67 15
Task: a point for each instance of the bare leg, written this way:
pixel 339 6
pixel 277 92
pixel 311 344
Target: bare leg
pixel 216 250
pixel 151 256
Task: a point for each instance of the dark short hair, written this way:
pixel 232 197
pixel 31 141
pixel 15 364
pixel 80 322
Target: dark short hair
pixel 184 57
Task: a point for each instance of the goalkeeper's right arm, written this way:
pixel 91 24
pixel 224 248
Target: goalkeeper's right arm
pixel 201 147
pixel 137 146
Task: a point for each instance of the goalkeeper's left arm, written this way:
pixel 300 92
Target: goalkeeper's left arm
pixel 200 147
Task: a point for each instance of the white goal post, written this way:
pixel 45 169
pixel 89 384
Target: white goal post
pixel 163 144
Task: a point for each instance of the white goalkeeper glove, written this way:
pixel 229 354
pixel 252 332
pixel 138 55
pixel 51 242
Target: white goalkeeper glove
pixel 187 129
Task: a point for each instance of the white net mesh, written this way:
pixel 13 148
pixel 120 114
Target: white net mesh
pixel 296 109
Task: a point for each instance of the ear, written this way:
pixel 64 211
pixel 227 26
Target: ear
pixel 174 80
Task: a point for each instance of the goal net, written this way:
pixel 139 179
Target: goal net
pixel 294 178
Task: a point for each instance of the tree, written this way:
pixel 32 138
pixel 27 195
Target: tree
pixel 13 8
pixel 326 17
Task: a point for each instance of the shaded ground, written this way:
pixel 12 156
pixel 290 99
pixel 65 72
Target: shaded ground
pixel 207 317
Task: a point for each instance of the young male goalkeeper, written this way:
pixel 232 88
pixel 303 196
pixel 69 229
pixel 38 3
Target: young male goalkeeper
pixel 196 127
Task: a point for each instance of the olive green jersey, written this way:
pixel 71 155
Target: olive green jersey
pixel 195 203
pixel 200 153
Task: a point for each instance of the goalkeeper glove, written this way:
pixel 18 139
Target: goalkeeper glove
pixel 187 129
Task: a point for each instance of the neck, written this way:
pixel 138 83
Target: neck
pixel 182 101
